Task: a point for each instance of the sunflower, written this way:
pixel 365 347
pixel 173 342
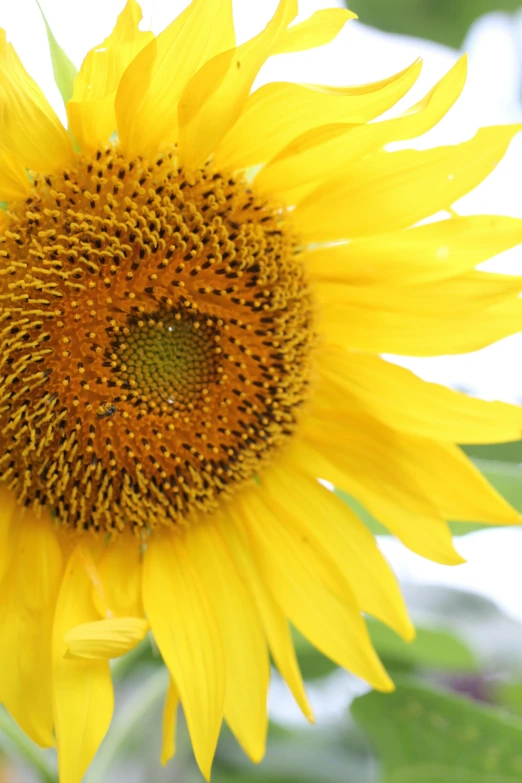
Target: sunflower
pixel 196 283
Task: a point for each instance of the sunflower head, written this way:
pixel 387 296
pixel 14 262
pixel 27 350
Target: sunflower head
pixel 195 297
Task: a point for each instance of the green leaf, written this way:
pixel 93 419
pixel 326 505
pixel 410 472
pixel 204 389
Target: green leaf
pixel 434 649
pixel 428 736
pixel 445 21
pixel 65 72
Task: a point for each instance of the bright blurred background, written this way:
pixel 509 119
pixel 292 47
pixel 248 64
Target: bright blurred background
pixel 470 617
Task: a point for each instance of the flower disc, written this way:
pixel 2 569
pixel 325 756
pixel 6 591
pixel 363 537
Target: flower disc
pixel 156 335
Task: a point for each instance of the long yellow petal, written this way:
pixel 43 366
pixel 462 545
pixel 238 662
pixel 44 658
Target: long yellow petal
pixel 323 151
pixel 91 114
pixel 27 600
pixel 426 534
pixel 104 639
pixel 449 316
pixel 246 652
pixel 438 471
pixel 170 712
pixel 30 131
pixel 290 567
pixel 184 625
pixel 357 201
pixel 278 112
pixel 404 402
pixel 424 254
pixel 325 519
pixel 14 182
pixel 216 95
pixel 274 622
pixel 320 29
pixel 82 689
pixel 148 95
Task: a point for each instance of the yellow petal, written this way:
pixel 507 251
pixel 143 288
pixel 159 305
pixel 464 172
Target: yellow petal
pixel 215 96
pixel 104 639
pixel 334 528
pixel 320 29
pixel 185 628
pixel 27 600
pixel 455 315
pixel 14 182
pixel 91 114
pixel 29 129
pixel 323 151
pixel 170 711
pixel 246 654
pixel 357 201
pixel 119 570
pixel 435 251
pixel 82 689
pixel 148 95
pixel 404 402
pixel 426 534
pixel 290 567
pixel 278 112
pixel 274 622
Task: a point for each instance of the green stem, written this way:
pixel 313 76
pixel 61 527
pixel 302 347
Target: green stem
pixel 17 745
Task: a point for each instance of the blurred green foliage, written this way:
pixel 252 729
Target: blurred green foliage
pixel 444 21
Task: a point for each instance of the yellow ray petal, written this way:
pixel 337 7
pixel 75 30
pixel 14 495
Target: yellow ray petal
pixel 423 182
pixel 91 114
pixel 438 471
pixel 323 151
pixel 119 570
pixel 82 689
pixel 27 600
pixel 424 254
pixel 278 112
pixel 404 402
pixel 426 534
pixel 325 519
pixel 246 653
pixel 148 95
pixel 215 96
pixel 104 639
pixel 320 29
pixel 449 316
pixel 29 129
pixel 170 712
pixel 290 567
pixel 185 628
pixel 14 182
pixel 274 622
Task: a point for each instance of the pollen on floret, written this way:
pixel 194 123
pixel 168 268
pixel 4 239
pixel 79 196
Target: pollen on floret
pixel 156 332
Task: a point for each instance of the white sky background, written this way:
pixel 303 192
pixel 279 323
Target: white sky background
pixel 359 55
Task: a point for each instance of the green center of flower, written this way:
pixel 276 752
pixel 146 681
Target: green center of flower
pixel 168 361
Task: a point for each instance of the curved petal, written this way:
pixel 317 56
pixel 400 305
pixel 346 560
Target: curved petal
pixel 321 28
pixel 92 118
pixel 104 639
pixel 148 95
pixel 295 571
pixel 29 129
pixel 82 689
pixel 323 151
pixel 119 569
pixel 278 112
pixel 245 648
pixel 215 96
pixel 185 628
pixel 27 601
pixel 404 402
pixel 357 201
